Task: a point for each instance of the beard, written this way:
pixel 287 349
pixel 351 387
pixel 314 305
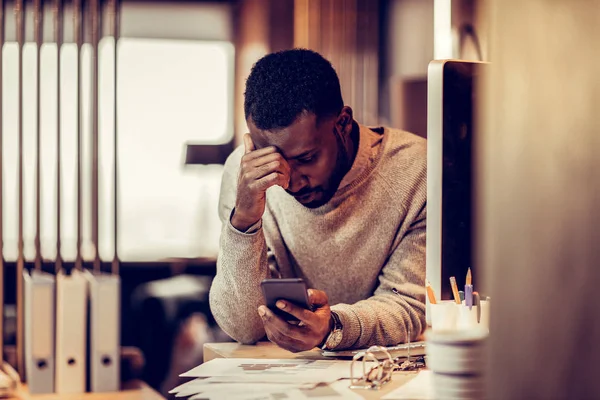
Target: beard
pixel 342 166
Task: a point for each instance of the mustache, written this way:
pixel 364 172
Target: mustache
pixel 300 192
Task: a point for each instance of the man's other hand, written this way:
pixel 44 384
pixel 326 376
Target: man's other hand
pixel 313 328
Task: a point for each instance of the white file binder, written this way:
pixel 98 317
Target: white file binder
pixel 105 359
pixel 71 332
pixel 39 331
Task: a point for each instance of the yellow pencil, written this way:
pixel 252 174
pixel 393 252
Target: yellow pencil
pixel 454 290
pixel 468 282
pixel 430 293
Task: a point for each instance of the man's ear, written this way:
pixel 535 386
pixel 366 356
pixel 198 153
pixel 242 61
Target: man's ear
pixel 344 122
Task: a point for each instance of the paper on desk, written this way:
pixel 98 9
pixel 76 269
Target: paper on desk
pixel 189 383
pixel 273 370
pixel 246 396
pixel 418 388
pixel 245 379
pixel 213 384
pixel 229 390
pixel 335 391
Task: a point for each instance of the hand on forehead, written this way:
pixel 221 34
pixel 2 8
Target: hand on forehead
pixel 300 137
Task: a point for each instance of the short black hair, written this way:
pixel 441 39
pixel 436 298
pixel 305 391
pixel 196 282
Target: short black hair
pixel 282 85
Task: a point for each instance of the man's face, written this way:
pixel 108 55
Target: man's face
pixel 314 151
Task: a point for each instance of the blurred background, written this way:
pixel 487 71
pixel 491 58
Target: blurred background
pixel 181 68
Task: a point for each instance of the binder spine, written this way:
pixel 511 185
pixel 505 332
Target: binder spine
pixel 39 331
pixel 71 331
pixel 104 350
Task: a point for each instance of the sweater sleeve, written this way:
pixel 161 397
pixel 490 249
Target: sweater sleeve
pixel 386 318
pixel 235 293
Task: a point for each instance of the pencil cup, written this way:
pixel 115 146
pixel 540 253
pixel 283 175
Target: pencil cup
pixel 443 315
pixel 471 319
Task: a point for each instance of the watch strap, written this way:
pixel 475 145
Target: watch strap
pixel 335 331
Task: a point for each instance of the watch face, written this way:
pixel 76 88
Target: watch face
pixel 334 339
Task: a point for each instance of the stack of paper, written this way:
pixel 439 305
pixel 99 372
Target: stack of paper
pixel 418 388
pixel 266 379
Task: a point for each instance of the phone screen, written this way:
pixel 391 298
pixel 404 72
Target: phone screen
pixel 292 290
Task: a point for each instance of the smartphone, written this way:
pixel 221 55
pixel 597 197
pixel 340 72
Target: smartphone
pixel 289 289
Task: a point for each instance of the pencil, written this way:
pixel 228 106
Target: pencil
pixel 430 293
pixel 454 290
pixel 468 282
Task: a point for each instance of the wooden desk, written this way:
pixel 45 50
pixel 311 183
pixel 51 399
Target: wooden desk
pixel 136 390
pixel 269 350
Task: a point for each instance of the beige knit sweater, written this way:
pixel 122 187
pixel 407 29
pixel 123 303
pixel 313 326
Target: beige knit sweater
pixel 368 239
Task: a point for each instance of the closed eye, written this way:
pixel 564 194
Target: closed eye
pixel 306 160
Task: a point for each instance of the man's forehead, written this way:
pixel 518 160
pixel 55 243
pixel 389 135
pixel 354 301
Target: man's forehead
pixel 291 141
pixel 290 146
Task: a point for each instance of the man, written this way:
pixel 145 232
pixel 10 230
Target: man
pixel 315 195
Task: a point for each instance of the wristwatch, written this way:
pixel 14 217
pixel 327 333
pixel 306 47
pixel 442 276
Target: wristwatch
pixel 335 336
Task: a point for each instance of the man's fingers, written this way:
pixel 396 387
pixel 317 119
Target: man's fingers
pixel 265 182
pixel 257 166
pixel 254 154
pixel 264 159
pixel 280 328
pixel 261 166
pixel 282 165
pixel 248 144
pixel 272 179
pixel 317 298
pixel 302 314
pixel 282 341
pixel 265 169
pixel 284 180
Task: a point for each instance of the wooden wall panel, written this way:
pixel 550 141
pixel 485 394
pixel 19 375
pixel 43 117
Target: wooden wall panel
pixel 252 42
pixel 346 33
pixel 262 26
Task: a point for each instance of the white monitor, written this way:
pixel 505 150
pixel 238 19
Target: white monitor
pixel 450 131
